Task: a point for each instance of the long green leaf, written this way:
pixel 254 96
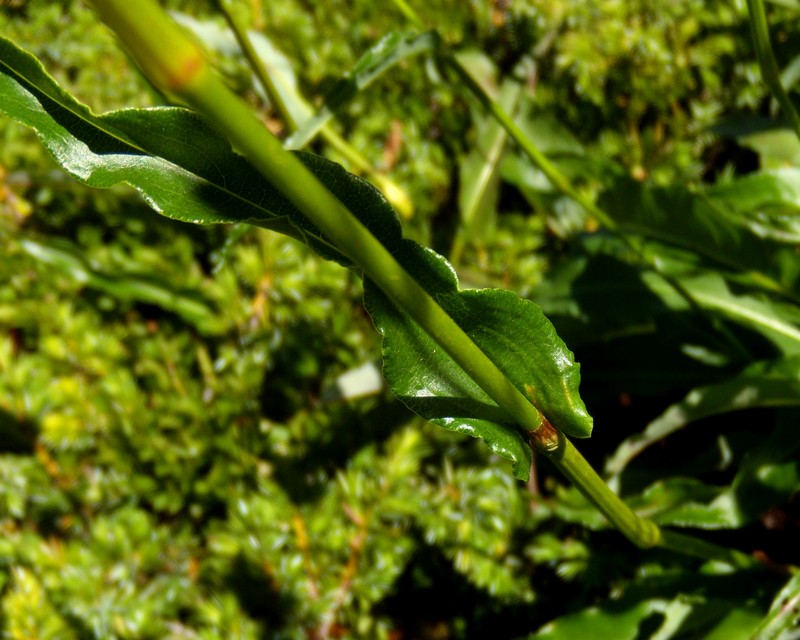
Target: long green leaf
pixel 678 217
pixel 724 295
pixel 767 203
pixel 679 501
pixel 182 168
pixel 775 320
pixel 124 286
pixel 684 502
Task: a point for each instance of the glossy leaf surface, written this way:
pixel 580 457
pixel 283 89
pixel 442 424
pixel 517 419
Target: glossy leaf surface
pixel 182 168
pixel 504 326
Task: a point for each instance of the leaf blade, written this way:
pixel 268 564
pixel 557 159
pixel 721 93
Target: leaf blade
pixel 180 166
pixel 765 384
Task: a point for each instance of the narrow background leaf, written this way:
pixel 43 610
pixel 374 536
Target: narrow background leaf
pixel 765 384
pixel 391 50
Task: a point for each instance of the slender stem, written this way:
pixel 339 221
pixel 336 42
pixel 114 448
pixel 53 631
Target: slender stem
pixel 692 546
pixel 766 60
pixel 640 531
pixel 563 184
pixel 256 64
pixel 409 13
pixel 549 442
pixel 562 453
pixel 395 194
pixel 202 89
pixel 558 179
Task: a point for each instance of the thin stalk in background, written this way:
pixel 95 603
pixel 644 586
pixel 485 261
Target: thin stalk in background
pixel 563 184
pixel 557 179
pixel 176 63
pixel 394 193
pixel 560 181
pixel 239 30
pixel 767 63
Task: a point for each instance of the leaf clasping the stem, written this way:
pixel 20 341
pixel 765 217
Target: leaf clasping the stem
pixel 233 118
pixel 169 57
pixel 546 438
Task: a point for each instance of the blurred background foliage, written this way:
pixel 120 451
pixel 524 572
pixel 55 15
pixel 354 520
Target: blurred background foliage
pixel 194 442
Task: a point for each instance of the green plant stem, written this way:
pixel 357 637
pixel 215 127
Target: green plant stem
pixel 557 179
pixel 360 164
pixel 565 456
pixel 692 546
pixel 176 64
pixel 642 532
pixel 563 184
pixel 409 13
pixel 256 64
pixel 766 60
pixel 555 446
pixel 562 453
pixel 560 181
pixel 204 91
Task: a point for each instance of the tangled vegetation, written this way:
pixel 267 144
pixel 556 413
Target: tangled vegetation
pixel 195 440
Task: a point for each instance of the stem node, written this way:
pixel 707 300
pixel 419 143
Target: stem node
pixel 546 438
